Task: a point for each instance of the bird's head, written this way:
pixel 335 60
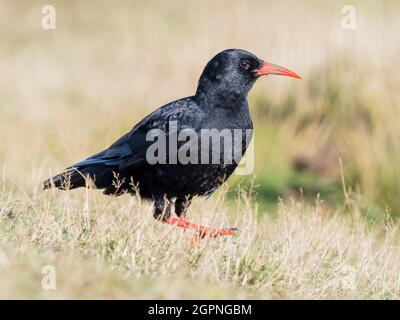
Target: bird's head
pixel 236 70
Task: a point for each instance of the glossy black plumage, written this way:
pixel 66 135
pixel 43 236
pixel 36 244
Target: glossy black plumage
pixel 220 103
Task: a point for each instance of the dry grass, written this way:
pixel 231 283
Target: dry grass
pixel 112 248
pixel 68 93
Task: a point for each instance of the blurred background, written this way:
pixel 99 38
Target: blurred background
pixel 70 92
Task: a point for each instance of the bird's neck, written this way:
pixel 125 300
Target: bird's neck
pixel 221 98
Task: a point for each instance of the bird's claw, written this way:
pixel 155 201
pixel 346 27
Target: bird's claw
pixel 202 231
pixel 214 233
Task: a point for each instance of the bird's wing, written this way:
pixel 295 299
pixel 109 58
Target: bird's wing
pixel 130 150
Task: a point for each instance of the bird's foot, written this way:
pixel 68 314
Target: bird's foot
pixel 202 230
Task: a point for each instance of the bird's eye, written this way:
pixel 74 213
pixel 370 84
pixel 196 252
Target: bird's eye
pixel 244 64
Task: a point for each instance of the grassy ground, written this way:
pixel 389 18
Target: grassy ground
pixel 68 93
pixel 106 248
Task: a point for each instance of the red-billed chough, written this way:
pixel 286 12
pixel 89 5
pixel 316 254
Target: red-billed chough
pixel 219 105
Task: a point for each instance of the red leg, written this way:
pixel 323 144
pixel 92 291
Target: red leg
pixel 202 230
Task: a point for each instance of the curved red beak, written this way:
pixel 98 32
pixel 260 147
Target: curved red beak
pixel 269 68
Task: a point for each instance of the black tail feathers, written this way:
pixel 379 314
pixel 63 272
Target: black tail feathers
pixel 71 178
pixel 94 176
pixel 100 171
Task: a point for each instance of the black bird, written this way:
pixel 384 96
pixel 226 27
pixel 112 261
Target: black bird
pixel 220 103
